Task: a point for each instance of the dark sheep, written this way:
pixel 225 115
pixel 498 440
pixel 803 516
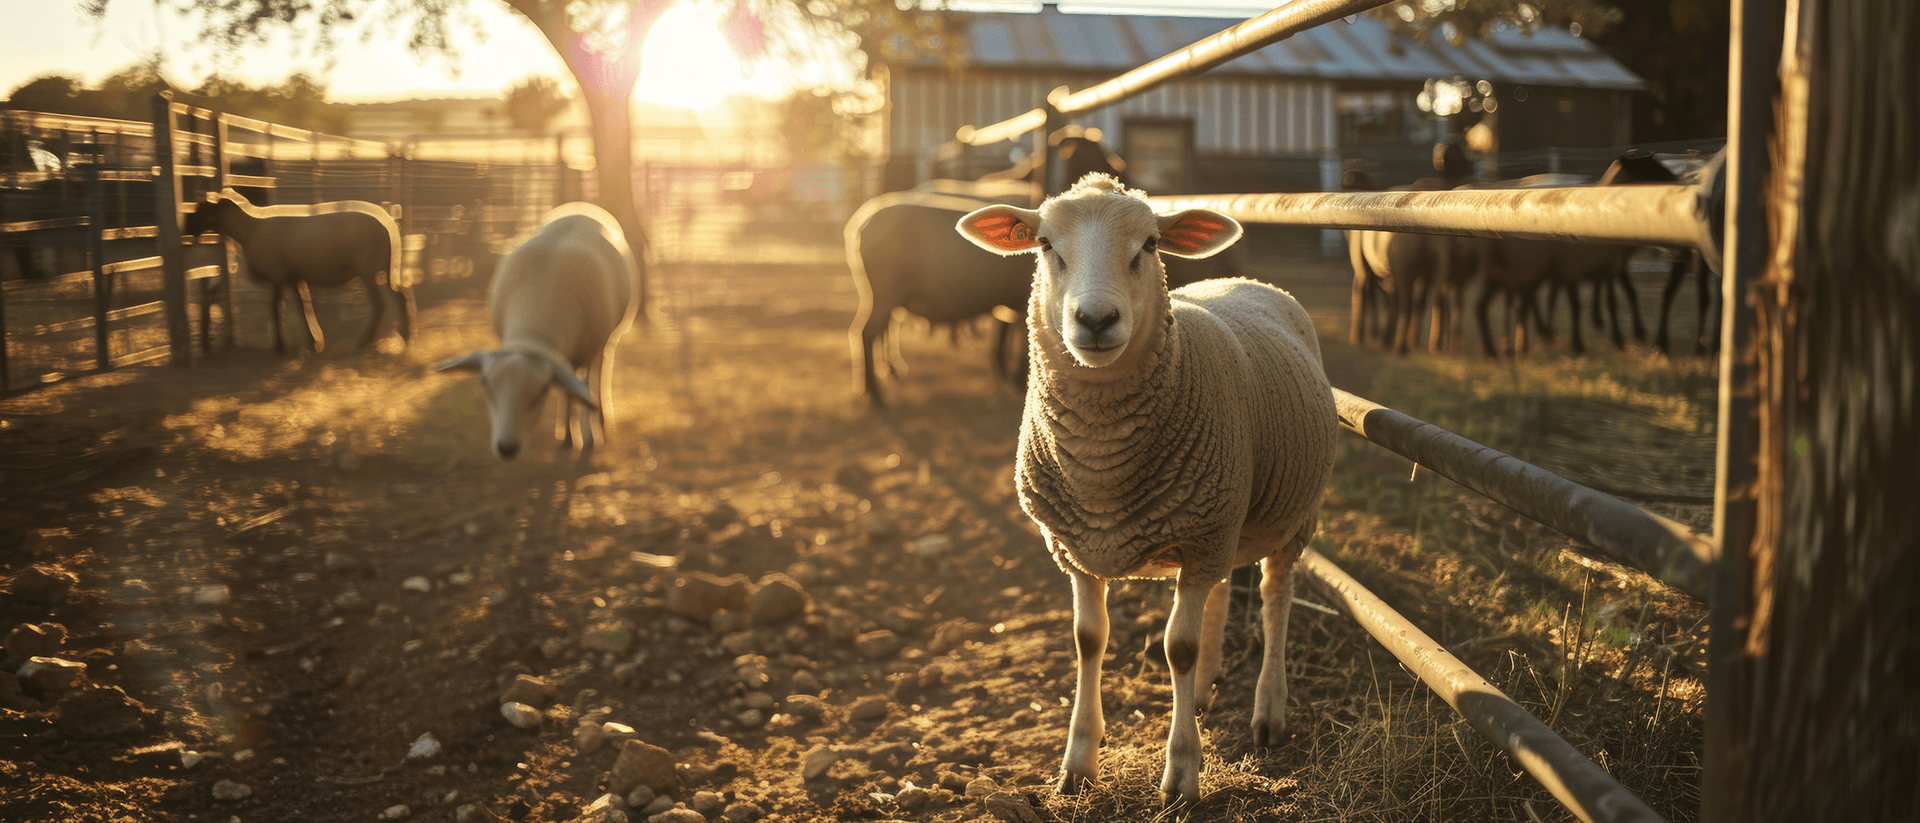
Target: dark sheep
pixel 904 254
pixel 326 244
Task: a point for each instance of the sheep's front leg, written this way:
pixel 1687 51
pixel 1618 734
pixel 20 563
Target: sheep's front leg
pixel 1213 633
pixel 1180 784
pixel 590 418
pixel 1270 694
pixel 600 379
pixel 1089 723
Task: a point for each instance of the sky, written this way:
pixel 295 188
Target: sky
pixel 42 37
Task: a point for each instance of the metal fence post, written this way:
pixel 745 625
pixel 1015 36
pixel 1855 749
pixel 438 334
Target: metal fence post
pixel 97 260
pixel 1754 56
pixel 166 220
pixel 1052 172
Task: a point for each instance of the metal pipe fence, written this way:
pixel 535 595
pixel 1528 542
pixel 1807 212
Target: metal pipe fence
pixel 1254 34
pixel 1616 530
pixel 100 279
pixel 1584 788
pixel 1654 214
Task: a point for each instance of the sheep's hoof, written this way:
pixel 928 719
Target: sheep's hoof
pixel 1070 784
pixel 1174 804
pixel 1268 735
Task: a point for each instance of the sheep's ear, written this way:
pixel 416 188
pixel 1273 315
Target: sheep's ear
pixel 1003 230
pixel 1196 232
pixel 475 361
pixel 572 384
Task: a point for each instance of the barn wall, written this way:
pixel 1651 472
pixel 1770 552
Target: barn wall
pixel 1284 124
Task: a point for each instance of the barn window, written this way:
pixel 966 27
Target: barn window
pixel 1371 118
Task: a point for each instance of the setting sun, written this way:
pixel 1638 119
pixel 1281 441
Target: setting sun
pixel 687 63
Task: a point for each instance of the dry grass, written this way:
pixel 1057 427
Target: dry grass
pixel 1609 659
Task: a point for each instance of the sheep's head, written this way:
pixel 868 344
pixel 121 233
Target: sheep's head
pixel 215 215
pixel 1100 279
pixel 515 383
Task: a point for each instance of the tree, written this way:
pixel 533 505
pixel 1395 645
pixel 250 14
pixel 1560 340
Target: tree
pixel 55 93
pixel 1679 46
pixel 600 42
pixel 533 102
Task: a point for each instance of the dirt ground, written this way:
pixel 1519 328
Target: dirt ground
pixel 284 574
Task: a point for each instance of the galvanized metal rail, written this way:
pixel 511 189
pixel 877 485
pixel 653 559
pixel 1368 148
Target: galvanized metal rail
pixel 1617 530
pixel 1586 789
pixel 1254 34
pixel 1655 214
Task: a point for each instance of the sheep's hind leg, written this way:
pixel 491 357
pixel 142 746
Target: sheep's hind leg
pixel 279 307
pixel 863 336
pixel 1180 783
pixel 408 308
pixel 1276 604
pixel 304 299
pixel 377 306
pixel 1089 724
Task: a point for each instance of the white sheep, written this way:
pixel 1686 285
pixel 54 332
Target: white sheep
pixel 1178 434
pixel 560 301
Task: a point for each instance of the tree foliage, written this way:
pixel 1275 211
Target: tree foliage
pixel 127 94
pixel 533 102
pixel 1678 46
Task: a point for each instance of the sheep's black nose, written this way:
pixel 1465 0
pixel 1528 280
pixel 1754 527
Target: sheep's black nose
pixel 1097 324
pixel 507 450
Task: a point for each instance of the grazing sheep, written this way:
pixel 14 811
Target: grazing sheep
pixel 1408 267
pixel 559 303
pixel 1680 263
pixel 903 254
pixel 326 244
pixel 1518 267
pixel 1166 434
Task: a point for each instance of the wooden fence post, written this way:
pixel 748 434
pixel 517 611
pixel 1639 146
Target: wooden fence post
pixel 166 220
pixel 1811 709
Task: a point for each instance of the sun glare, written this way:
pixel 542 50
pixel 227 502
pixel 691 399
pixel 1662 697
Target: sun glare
pixel 686 63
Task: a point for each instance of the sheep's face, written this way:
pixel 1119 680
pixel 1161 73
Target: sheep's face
pixel 516 383
pixel 1100 280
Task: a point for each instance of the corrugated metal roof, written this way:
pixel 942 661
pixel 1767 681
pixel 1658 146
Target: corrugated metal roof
pixel 1364 49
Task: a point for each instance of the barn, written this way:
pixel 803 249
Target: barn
pixel 1285 118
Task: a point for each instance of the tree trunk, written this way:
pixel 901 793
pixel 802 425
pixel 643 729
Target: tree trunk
pixel 612 116
pixel 606 66
pixel 1823 715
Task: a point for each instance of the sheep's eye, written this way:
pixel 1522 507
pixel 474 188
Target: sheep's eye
pixel 1151 244
pixel 1046 247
